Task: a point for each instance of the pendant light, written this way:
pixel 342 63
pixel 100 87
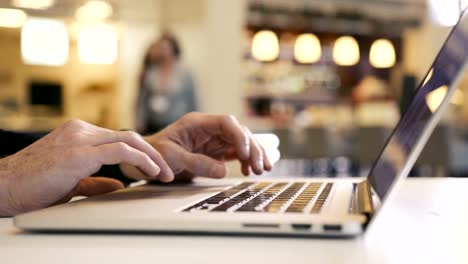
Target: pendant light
pixel 346 51
pixel 265 46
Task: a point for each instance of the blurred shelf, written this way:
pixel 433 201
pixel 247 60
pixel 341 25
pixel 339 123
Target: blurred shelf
pixel 25 123
pixel 295 99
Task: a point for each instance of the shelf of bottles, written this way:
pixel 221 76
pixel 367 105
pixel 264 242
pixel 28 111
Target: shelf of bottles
pixel 302 57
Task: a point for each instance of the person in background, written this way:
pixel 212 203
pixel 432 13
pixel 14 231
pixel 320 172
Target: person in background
pixel 167 89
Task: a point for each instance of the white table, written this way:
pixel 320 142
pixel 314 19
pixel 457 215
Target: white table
pixel 426 223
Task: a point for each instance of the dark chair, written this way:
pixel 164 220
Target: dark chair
pixel 435 158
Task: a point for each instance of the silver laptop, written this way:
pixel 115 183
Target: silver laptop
pixel 303 207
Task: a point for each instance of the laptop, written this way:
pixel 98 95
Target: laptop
pixel 343 207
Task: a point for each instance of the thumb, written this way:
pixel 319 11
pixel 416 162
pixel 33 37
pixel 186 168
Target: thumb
pixel 92 186
pixel 202 165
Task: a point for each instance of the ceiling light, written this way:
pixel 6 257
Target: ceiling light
pixel 346 51
pixel 307 49
pixel 382 54
pixel 12 18
pixel 94 11
pixel 98 45
pixel 265 46
pixel 44 42
pixel 33 4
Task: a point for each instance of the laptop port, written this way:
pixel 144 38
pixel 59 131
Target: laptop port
pixel 334 228
pixel 301 226
pixel 260 225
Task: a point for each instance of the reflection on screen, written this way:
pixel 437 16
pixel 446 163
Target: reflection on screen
pixel 425 103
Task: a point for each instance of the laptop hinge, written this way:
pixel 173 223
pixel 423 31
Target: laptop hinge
pixel 362 202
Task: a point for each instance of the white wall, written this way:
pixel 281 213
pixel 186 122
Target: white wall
pixel 225 22
pixel 421 45
pixel 141 22
pixel 210 34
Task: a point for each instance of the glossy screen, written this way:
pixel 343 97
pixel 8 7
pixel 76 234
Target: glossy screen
pixel 435 89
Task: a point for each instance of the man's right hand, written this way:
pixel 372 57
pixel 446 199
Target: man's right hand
pixel 56 167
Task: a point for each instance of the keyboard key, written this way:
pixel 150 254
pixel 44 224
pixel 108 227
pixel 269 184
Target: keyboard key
pixel 245 196
pixel 268 197
pixel 304 198
pixel 322 199
pixel 284 197
pixel 265 196
pixel 219 198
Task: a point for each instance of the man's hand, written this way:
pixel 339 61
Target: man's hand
pixel 56 168
pixel 199 144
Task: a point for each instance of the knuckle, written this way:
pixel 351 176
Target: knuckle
pixel 122 147
pixel 193 114
pixel 146 158
pixel 230 119
pixel 74 124
pixel 132 135
pixel 233 117
pixel 190 116
pixel 143 159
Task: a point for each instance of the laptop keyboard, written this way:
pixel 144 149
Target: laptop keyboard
pixel 267 197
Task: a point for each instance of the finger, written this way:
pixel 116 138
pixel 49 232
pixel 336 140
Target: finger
pixel 133 172
pixel 228 154
pixel 202 165
pixel 117 153
pixel 92 186
pixel 267 165
pixel 256 154
pixel 245 167
pixel 266 160
pixel 136 141
pixel 230 130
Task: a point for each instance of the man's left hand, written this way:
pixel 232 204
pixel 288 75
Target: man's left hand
pixel 200 144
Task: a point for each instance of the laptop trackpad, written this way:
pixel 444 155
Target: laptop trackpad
pixel 160 192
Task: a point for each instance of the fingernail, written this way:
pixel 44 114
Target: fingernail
pixel 260 164
pixel 246 151
pixel 167 177
pixel 157 172
pixel 219 171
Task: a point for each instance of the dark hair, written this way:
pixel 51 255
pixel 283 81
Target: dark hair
pixel 147 59
pixel 174 43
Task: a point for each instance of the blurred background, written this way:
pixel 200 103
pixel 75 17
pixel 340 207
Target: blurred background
pixel 322 81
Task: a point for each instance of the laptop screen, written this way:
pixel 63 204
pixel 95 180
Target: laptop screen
pixel 405 144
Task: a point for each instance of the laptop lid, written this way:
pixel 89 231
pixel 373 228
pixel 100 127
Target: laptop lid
pixel 422 114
